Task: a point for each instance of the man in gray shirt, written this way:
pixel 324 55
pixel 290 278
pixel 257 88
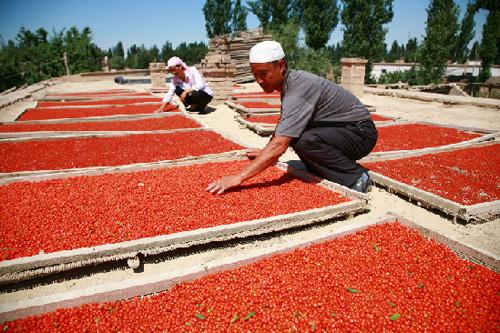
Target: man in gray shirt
pixel 328 127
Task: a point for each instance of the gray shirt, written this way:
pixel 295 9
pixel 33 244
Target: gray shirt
pixel 309 98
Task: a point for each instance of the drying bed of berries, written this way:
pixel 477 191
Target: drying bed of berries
pixel 417 136
pixel 78 212
pixel 55 154
pixel 100 102
pixel 105 94
pixel 42 113
pixel 376 117
pixel 93 93
pixel 365 282
pixel 260 105
pixel 467 176
pixel 151 124
pixel 264 119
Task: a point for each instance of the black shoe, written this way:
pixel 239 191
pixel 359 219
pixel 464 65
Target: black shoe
pixel 363 184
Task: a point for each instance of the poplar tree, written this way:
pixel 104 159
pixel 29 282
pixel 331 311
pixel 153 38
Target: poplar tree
pixel 272 14
pixel 261 9
pixel 466 34
pixel 489 50
pixel 440 39
pixel 474 51
pixel 217 17
pixel 364 32
pixel 319 18
pixel 239 22
pixel 411 52
pixel 396 52
pixel 117 60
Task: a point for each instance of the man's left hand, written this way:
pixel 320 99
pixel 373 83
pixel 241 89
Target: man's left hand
pixel 219 186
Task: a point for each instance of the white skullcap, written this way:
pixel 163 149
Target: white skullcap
pixel 267 51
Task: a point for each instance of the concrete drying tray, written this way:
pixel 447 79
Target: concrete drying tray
pixel 488 135
pixel 251 111
pixel 164 281
pixel 477 213
pixel 43 264
pixel 46 134
pixel 261 129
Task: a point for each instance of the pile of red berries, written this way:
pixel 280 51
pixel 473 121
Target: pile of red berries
pixel 385 278
pixel 63 214
pixel 109 151
pixel 151 124
pixel 417 136
pixel 467 176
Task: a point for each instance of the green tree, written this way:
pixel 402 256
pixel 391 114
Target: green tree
pixel 261 9
pixel 474 51
pixel 166 52
pixel 191 53
pixel 489 51
pixel 117 60
pixel 144 57
pixel 272 14
pixel 411 50
pixel 154 54
pixel 288 36
pixel 440 39
pixel 217 17
pixel 239 21
pixel 396 52
pixel 314 61
pixel 364 32
pixel 336 53
pixel 34 56
pixel 319 18
pixel 131 60
pixel 466 34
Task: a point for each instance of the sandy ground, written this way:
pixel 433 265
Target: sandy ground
pixel 485 236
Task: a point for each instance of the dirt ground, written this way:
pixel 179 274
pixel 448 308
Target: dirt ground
pixel 484 236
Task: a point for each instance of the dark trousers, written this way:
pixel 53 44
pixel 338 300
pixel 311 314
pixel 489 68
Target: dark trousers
pixel 198 98
pixel 331 150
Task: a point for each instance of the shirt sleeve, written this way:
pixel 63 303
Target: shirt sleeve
pixel 296 113
pixel 170 93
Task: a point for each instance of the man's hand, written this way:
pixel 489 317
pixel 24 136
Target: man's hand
pixel 262 159
pixel 161 108
pixel 252 153
pixel 220 185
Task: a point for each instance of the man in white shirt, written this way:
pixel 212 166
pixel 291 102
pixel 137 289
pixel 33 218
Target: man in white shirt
pixel 189 85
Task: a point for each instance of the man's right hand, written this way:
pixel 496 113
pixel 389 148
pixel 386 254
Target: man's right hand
pixel 252 153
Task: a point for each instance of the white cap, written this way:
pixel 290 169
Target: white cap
pixel 266 51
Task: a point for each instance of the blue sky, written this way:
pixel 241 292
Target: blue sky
pixel 151 22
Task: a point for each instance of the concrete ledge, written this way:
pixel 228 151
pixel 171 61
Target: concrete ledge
pixel 270 100
pixel 482 212
pixel 45 136
pixel 118 117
